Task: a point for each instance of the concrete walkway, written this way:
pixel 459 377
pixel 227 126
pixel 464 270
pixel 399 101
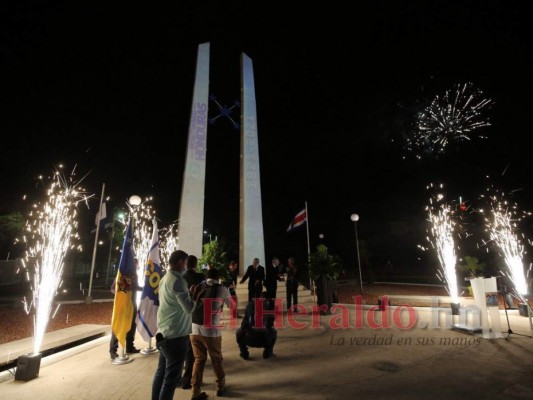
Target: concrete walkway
pixel 317 363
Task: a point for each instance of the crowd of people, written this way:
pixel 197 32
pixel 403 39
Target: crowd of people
pixel 184 338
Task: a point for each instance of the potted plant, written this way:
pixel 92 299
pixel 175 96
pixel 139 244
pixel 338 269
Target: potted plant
pixel 325 269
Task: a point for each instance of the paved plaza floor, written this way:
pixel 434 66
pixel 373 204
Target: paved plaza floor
pixel 319 362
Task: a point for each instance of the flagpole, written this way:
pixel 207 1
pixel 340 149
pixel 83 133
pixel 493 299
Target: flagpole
pixel 88 299
pixel 309 253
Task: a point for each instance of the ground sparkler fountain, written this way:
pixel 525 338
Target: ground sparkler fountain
pixel 442 228
pixel 502 228
pixel 49 234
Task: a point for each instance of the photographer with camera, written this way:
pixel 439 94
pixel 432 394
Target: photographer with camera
pixel 206 336
pixel 192 277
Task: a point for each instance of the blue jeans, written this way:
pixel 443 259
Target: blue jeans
pixel 171 356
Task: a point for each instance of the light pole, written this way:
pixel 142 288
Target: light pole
pixel 135 201
pixel 321 237
pixel 111 237
pixel 355 218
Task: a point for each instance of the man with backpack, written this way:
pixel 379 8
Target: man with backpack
pixel 206 336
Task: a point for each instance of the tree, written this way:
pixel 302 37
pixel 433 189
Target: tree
pixel 472 264
pixel 215 254
pixel 11 226
pixel 322 264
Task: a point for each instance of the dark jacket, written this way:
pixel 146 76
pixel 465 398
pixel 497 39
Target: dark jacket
pixel 252 275
pixel 193 278
pixel 253 334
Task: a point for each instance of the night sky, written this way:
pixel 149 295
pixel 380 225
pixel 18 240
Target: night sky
pixel 109 87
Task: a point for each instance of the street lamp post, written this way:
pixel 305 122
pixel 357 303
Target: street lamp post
pixel 111 237
pixel 355 218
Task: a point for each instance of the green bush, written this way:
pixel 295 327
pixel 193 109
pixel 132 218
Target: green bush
pixel 322 264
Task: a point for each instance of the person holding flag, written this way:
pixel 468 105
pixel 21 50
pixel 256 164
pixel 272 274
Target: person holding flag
pixel 124 309
pixel 147 315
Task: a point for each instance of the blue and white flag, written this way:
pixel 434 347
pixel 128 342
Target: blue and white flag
pixel 147 313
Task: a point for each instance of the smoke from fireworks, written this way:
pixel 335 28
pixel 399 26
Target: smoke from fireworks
pixel 454 117
pixel 442 228
pixel 50 231
pixel 502 226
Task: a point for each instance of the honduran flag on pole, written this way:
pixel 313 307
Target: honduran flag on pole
pixel 299 220
pixel 123 307
pixel 147 314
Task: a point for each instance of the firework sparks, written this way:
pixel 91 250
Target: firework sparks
pixel 142 241
pixel 169 241
pixel 453 117
pixel 502 228
pixel 50 231
pixel 442 228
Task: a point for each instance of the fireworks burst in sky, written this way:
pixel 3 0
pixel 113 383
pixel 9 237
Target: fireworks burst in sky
pixel 442 229
pixel 169 241
pixel 502 226
pixel 454 117
pixel 49 233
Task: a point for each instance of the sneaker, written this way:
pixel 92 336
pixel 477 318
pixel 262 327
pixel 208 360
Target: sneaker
pixel 244 356
pixel 132 350
pixel 267 354
pixel 221 392
pixel 186 385
pixel 113 354
pixel 201 396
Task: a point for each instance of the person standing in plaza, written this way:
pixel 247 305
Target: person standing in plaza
pixel 255 274
pixel 176 303
pixel 192 277
pixel 273 275
pixel 130 337
pixel 234 272
pixel 232 287
pixel 291 283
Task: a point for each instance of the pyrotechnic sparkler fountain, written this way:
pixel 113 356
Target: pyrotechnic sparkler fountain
pixel 142 212
pixel 169 241
pixel 442 228
pixel 50 231
pixel 502 228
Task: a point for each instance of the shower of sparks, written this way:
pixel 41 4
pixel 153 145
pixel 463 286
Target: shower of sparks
pixel 502 226
pixel 442 228
pixel 169 241
pixel 50 232
pixel 453 117
pixel 142 240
